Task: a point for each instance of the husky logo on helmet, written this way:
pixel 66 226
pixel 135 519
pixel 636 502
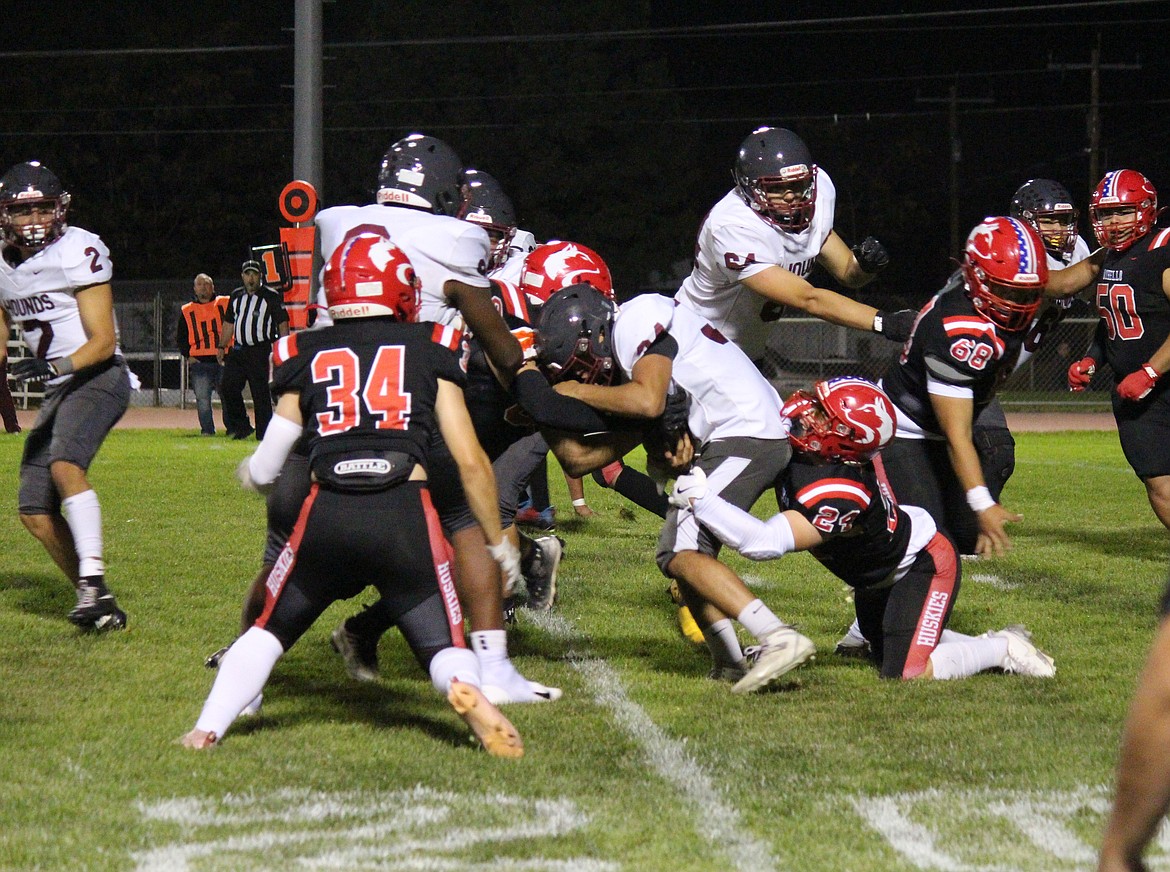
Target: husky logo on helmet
pixel 425 173
pixel 574 336
pixel 369 276
pixel 1005 271
pixel 1120 194
pixel 844 419
pixel 29 189
pixel 556 265
pixel 490 208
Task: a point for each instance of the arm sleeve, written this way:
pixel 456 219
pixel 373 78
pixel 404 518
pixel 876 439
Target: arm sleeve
pixel 266 462
pixel 1096 349
pixel 751 537
pixel 547 408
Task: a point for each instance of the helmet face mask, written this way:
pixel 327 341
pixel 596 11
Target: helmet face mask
pixel 844 420
pixel 1047 206
pixel 574 336
pixel 776 177
pixel 424 173
pixel 1123 208
pixel 368 276
pixel 33 206
pixel 1005 271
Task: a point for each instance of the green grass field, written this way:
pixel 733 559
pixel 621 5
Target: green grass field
pixel 644 764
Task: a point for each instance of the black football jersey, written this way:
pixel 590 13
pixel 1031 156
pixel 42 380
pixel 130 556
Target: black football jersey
pixel 368 384
pixel 951 343
pixel 866 534
pixel 1132 304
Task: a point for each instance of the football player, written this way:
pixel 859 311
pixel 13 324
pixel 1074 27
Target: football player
pixel 758 243
pixel 965 341
pixel 1133 335
pixel 55 283
pixel 904 573
pixel 623 364
pixel 368 517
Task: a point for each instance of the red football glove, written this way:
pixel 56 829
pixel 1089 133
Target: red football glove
pixel 1081 373
pixel 1137 385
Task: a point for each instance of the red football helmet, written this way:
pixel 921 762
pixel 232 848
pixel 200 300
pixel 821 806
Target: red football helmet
pixel 1005 268
pixel 556 265
pixel 844 419
pixel 1128 191
pixel 367 276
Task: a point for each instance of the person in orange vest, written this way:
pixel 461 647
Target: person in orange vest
pixel 198 334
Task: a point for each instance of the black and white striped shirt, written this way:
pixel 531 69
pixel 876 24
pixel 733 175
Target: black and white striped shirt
pixel 256 316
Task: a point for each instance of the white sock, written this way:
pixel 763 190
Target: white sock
pixel 241 676
pixel 490 646
pixel 452 664
pixel 83 513
pixel 759 620
pixel 959 656
pixel 854 632
pixel 723 643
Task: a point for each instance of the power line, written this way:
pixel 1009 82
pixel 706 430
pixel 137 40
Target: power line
pixel 838 24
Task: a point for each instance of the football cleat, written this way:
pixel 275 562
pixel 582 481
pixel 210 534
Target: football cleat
pixel 686 621
pixel 198 740
pixel 781 651
pixel 544 520
pixel 534 692
pixel 360 654
pixel 541 574
pixel 213 660
pixel 853 643
pixel 494 731
pixel 96 609
pixel 1023 657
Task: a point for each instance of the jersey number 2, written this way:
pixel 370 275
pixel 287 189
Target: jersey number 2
pixel 381 396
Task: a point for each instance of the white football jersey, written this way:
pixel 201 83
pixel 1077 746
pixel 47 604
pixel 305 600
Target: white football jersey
pixel 440 249
pixel 735 243
pixel 40 294
pixel 1080 252
pixel 523 243
pixel 729 397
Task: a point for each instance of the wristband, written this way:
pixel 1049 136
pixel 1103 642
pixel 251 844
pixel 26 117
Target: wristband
pixel 62 365
pixel 578 503
pixel 979 499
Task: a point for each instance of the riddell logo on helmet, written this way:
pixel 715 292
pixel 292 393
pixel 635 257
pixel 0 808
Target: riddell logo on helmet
pixel 796 171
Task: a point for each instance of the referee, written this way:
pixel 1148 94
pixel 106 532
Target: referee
pixel 255 318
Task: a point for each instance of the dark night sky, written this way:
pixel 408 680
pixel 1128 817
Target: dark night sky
pixel 613 123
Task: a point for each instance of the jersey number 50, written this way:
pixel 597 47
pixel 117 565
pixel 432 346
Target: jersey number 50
pixel 1116 305
pixel 381 396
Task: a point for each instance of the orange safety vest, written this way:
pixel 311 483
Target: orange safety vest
pixel 204 321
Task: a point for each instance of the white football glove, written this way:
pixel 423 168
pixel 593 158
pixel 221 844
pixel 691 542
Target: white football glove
pixel 244 475
pixel 692 486
pixel 508 556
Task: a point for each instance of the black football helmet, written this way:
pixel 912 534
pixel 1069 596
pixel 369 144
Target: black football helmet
pixel 28 184
pixel 489 207
pixel 776 161
pixel 1045 200
pixel 424 173
pixel 574 336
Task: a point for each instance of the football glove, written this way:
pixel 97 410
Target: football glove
pixel 1081 373
pixel 676 413
pixel 692 486
pixel 508 556
pixel 33 369
pixel 871 256
pixel 895 325
pixel 1137 385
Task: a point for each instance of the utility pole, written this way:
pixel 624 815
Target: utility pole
pixel 952 100
pixel 1094 66
pixel 307 112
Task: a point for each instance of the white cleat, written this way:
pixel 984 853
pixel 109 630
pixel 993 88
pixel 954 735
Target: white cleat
pixel 781 652
pixel 534 692
pixel 1023 657
pixel 732 672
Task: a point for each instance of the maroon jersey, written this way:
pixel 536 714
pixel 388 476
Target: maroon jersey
pixel 866 534
pixel 1132 303
pixel 367 386
pixel 952 343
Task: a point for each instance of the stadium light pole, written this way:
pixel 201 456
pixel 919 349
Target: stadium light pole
pixel 307 110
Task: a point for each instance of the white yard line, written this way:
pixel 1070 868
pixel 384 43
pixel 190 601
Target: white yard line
pixel 718 822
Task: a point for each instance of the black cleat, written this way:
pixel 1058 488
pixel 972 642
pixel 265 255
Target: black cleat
pixel 96 609
pixel 541 574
